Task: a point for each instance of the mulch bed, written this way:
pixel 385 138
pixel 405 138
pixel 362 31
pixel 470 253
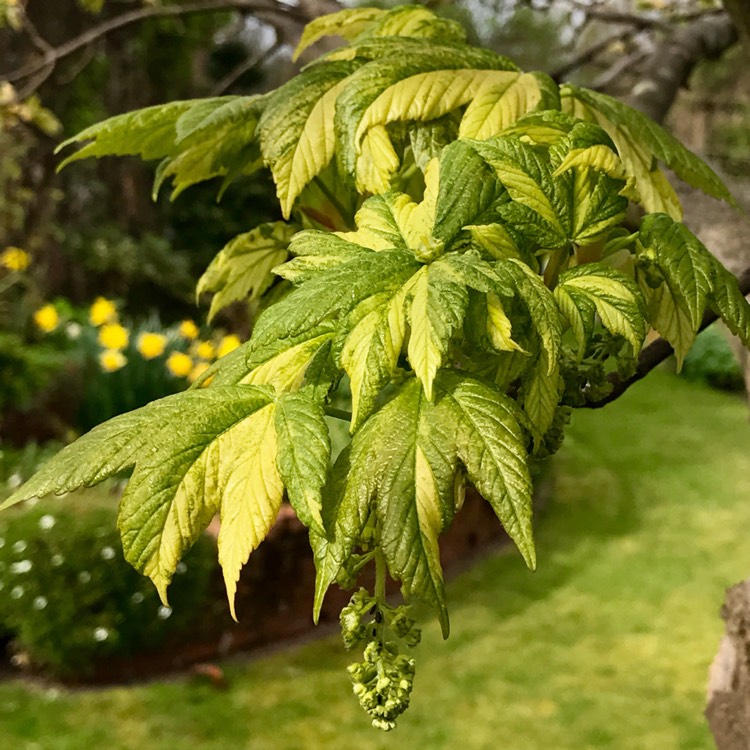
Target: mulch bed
pixel 275 595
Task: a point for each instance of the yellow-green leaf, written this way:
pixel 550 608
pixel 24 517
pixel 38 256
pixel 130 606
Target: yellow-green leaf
pixel 242 271
pixel 242 465
pixel 503 99
pixel 296 129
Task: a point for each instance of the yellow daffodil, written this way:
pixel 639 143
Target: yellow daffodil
pixel 197 371
pixel 15 259
pixel 46 318
pixel 179 364
pixel 102 311
pixel 113 336
pixel 111 360
pixel 188 330
pixel 227 344
pixel 151 345
pixel 204 350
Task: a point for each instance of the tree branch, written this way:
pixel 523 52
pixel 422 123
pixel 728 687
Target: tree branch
pixel 53 55
pixel 586 56
pixel 655 353
pixel 673 61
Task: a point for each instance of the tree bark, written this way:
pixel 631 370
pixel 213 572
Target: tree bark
pixel 728 704
pixel 669 68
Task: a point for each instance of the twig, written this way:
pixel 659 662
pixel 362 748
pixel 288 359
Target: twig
pixel 54 55
pixel 36 38
pixel 655 353
pixel 662 21
pixel 246 65
pixel 590 53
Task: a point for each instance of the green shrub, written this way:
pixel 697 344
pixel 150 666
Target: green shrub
pixel 711 361
pixel 70 599
pixel 25 369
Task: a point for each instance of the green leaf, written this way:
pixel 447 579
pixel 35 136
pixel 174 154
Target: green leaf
pixel 490 444
pixel 363 23
pixel 242 271
pixel 438 302
pixel 304 450
pixel 296 129
pixel 639 142
pixel 348 24
pixel 150 133
pixel 468 187
pixel 554 203
pixel 597 288
pixel 419 86
pixel 676 306
pixel 499 103
pixel 192 454
pixel 428 139
pixel 314 252
pixel 398 469
pixel 288 335
pixel 403 466
pixel 729 303
pixel 371 351
pixel 221 142
pixel 541 383
pixel 415 21
pixel 196 139
pixel 690 279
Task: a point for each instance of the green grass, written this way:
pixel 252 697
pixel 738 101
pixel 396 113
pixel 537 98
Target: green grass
pixel 607 645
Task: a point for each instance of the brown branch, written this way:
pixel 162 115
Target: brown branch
pixel 54 55
pixel 659 20
pixel 655 353
pixel 588 55
pixel 245 66
pixel 670 66
pixel 638 20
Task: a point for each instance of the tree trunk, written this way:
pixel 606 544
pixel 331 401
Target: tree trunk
pixel 728 709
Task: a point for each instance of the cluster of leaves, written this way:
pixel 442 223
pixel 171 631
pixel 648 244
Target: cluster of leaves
pixel 455 253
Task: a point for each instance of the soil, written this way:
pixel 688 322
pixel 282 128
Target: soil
pixel 275 594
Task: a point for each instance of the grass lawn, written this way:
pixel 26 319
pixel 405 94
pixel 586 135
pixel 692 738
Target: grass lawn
pixel 607 645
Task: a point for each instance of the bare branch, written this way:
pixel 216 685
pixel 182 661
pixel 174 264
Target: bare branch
pixel 663 20
pixel 246 65
pixel 53 55
pixel 673 61
pixel 655 353
pixel 588 55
